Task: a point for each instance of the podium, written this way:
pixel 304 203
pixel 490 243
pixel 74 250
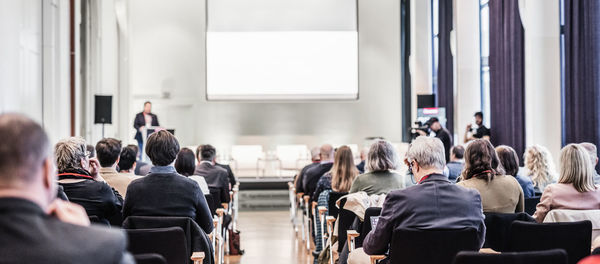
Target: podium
pixel 146 132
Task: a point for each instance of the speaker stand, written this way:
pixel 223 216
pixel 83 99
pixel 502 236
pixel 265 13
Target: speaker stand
pixel 102 130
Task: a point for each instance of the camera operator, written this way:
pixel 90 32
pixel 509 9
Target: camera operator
pixel 441 133
pixel 480 132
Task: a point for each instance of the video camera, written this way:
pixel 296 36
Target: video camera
pixel 418 125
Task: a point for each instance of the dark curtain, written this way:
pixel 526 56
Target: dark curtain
pixel 582 72
pixel 405 74
pixel 445 74
pixel 507 70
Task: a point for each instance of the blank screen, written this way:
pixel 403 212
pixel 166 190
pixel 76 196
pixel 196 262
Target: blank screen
pixel 276 49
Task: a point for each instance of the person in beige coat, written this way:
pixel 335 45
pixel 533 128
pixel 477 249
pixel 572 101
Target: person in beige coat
pixel 483 172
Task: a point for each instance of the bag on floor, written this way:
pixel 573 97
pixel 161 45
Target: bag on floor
pixel 234 243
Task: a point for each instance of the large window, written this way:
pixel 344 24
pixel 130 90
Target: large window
pixel 484 43
pixel 435 36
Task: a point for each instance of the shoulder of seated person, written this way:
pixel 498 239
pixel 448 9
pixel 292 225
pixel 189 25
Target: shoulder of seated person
pixel 90 235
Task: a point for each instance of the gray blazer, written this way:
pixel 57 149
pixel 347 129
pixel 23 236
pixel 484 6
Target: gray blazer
pixel 31 236
pixel 216 177
pixel 435 203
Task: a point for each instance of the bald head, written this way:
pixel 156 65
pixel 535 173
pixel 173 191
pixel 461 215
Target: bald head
pixel 23 151
pixel 326 152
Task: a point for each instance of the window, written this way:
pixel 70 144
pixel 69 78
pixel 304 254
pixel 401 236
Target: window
pixel 435 33
pixel 484 47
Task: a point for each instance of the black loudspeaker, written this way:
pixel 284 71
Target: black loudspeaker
pixel 425 100
pixel 103 109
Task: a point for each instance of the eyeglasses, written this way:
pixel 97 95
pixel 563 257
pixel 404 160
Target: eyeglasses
pixel 87 154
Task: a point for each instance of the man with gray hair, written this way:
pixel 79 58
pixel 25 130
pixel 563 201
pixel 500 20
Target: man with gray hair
pixel 312 176
pixel 37 227
pixel 434 203
pixel 593 152
pixel 315 156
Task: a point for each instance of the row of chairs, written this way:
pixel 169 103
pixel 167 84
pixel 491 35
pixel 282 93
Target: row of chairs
pixel 174 239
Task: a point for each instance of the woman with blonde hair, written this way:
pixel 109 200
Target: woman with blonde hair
pixel 575 188
pixel 341 175
pixel 540 167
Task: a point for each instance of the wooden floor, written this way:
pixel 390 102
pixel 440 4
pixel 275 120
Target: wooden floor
pixel 268 237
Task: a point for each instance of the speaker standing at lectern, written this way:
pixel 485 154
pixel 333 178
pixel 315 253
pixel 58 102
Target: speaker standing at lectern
pixel 142 121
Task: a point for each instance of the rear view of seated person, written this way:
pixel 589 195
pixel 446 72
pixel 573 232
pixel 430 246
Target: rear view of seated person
pixel 164 192
pixel 83 184
pixel 108 151
pixel 127 162
pixel 510 162
pixel 185 164
pixel 379 177
pixel 141 168
pixel 499 193
pixel 457 162
pixel 434 203
pixel 593 152
pixel 575 188
pixel 341 175
pixel 216 177
pixel 37 227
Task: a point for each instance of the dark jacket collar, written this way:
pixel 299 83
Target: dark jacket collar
pixel 19 205
pixel 436 177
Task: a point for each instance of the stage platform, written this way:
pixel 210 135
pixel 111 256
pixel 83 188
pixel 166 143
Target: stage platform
pixel 264 183
pixel 264 193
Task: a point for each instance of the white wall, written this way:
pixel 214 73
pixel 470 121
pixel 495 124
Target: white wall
pixel 542 74
pixel 166 66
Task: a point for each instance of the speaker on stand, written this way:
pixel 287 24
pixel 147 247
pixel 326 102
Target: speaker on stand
pixel 103 110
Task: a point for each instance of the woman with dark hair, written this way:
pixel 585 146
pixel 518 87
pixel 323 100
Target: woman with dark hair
pixel 510 162
pixel 185 164
pixel 483 172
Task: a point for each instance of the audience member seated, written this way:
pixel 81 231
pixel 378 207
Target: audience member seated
pixel 127 162
pixel 540 167
pixel 312 176
pixel 379 177
pixel 216 177
pixel 315 154
pixel 434 203
pixel 593 152
pixel 37 227
pixel 575 188
pixel 363 157
pixel 483 172
pixel 185 164
pixel 108 151
pixel 141 168
pixel 78 175
pixel 341 175
pixel 457 162
pixel 91 150
pixel 510 163
pixel 230 176
pixel 164 192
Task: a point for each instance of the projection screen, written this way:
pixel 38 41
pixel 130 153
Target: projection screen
pixel 281 49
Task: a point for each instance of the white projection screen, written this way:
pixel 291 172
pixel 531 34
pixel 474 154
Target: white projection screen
pixel 281 50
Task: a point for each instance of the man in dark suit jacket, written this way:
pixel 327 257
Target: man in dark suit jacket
pixel 142 119
pixel 164 192
pixel 37 227
pixel 434 203
pixel 315 154
pixel 312 176
pixel 215 176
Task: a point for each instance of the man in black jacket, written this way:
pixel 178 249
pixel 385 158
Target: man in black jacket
pixel 216 177
pixel 315 154
pixel 164 192
pixel 312 176
pixel 143 119
pixel 37 227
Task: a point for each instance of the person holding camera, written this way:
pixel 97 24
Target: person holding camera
pixel 441 133
pixel 480 132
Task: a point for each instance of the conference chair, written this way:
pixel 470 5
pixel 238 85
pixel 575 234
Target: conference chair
pixel 210 200
pixel 307 208
pixel 498 227
pixel 292 197
pixel 414 246
pixel 97 220
pixel 552 256
pixel 196 240
pixel 345 219
pixel 574 238
pixel 301 207
pixel 149 258
pixel 168 242
pixel 330 226
pixel 355 238
pixel 564 215
pixel 530 204
pixel 333 197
